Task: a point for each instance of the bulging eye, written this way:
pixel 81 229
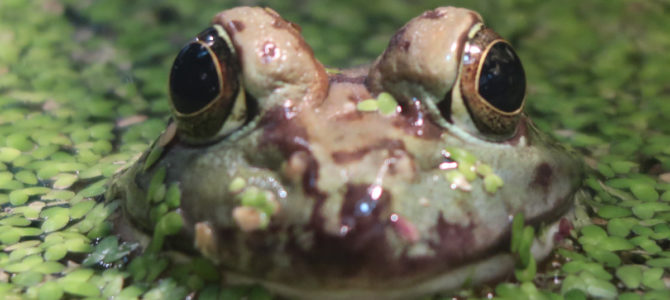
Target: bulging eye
pixel 196 79
pixel 502 82
pixel 492 83
pixel 205 93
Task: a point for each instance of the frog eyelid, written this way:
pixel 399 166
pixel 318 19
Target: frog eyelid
pixel 474 30
pixel 224 35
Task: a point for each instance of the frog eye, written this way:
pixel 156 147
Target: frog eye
pixel 492 83
pixel 195 80
pixel 205 92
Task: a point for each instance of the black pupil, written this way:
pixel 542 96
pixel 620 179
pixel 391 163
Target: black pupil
pixel 502 81
pixel 194 81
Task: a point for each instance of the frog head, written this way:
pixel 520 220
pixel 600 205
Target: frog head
pixel 390 180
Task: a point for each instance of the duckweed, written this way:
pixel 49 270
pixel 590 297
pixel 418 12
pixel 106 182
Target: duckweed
pixel 492 183
pixel 55 252
pixel 468 168
pixel 260 199
pixel 8 154
pixel 95 189
pixel 384 103
pixel 173 196
pixel 80 209
pixel 108 251
pixel 237 185
pixel 155 184
pixel 152 157
pixel 612 211
pixel 50 291
pixel 64 180
pixel 365 105
pixel 387 104
pixel 644 192
pixel 27 279
pixel 652 278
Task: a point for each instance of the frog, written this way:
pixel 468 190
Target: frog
pixel 391 180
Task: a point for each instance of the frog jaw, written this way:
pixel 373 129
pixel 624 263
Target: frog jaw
pixel 490 269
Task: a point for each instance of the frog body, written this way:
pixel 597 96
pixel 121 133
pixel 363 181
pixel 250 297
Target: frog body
pixel 287 179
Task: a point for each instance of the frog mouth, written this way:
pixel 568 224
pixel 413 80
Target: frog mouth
pixel 490 269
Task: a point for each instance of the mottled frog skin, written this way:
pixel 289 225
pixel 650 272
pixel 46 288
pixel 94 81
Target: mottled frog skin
pixel 287 179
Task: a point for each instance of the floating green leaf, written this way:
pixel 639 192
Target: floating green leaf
pixel 27 278
pixel 652 278
pixel 18 197
pixel 55 218
pixel 26 176
pixel 644 192
pixel 63 181
pixel 613 211
pixel 386 102
pixel 157 180
pixel 492 183
pixel 236 185
pixel 49 267
pixel 517 232
pixel 365 105
pixel 630 275
pixel 152 157
pixel 173 196
pixel 80 288
pixel 8 154
pixel 107 251
pixel 55 252
pixel 95 189
pixel 50 291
